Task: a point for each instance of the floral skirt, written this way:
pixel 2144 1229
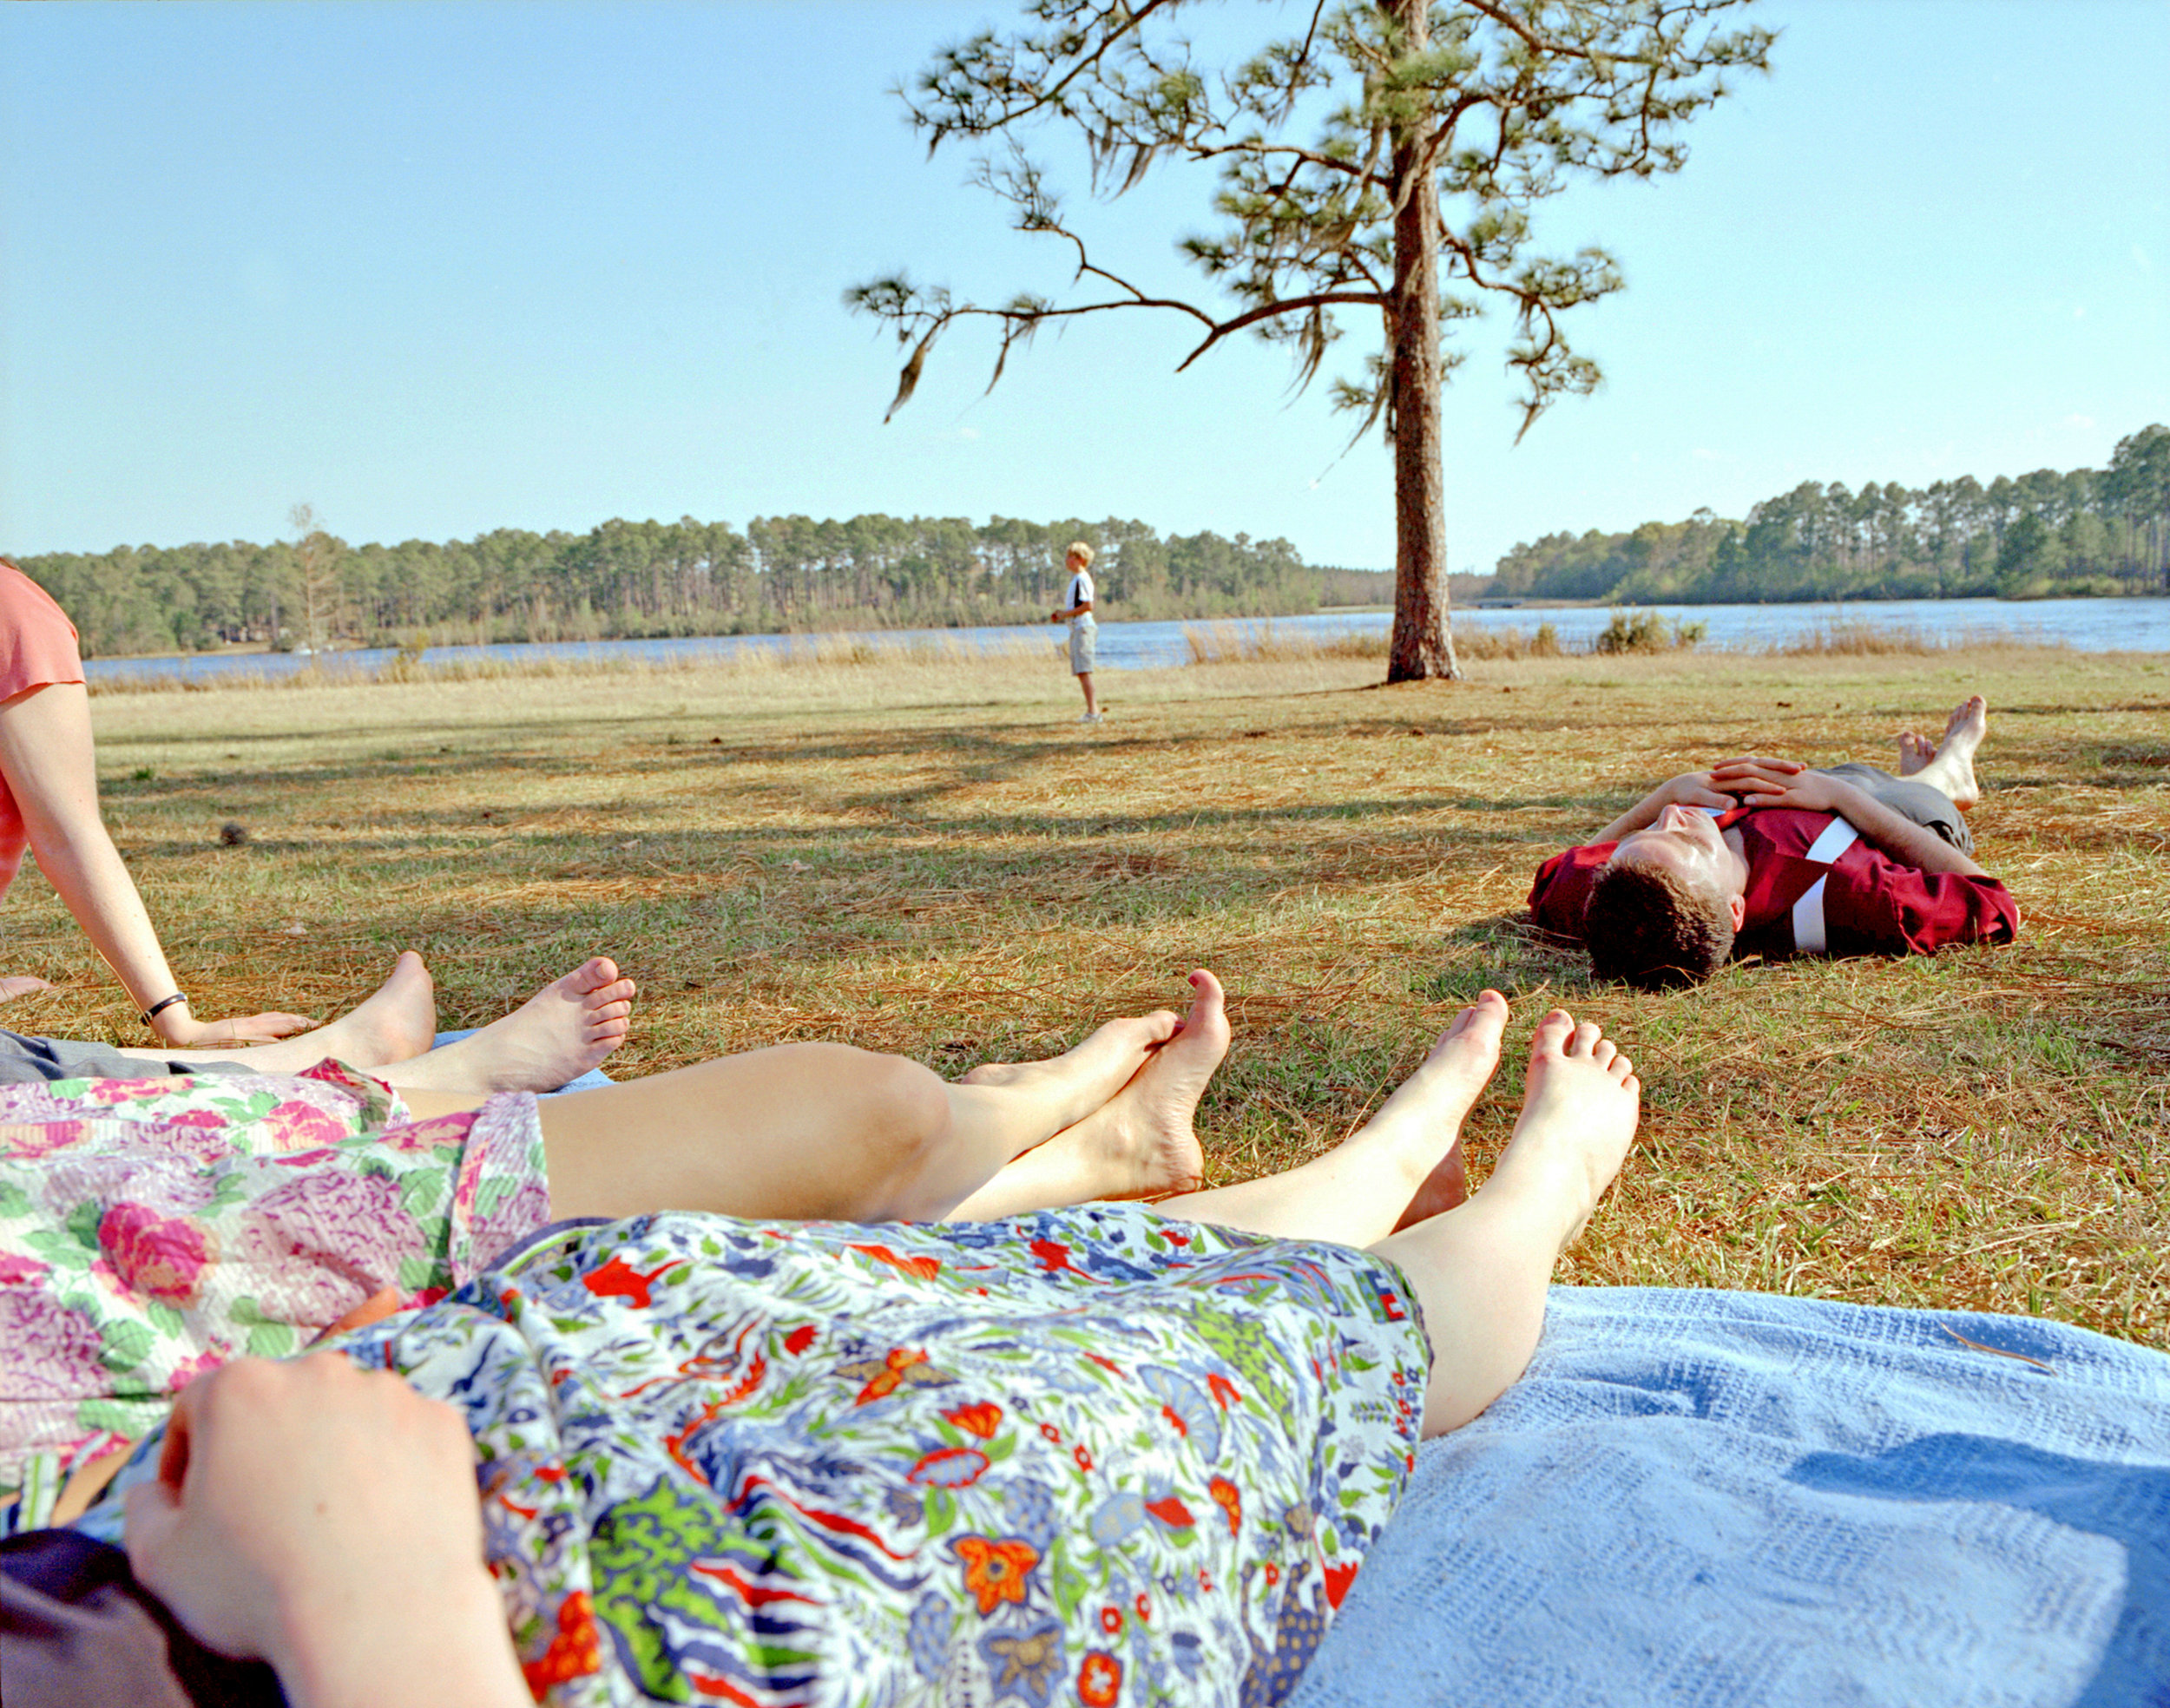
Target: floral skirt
pixel 152 1229
pixel 1090 1455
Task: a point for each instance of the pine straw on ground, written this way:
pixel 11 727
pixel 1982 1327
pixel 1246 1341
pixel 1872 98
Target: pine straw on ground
pixel 926 856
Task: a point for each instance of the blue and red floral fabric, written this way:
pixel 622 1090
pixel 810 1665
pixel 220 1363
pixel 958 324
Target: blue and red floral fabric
pixel 1088 1456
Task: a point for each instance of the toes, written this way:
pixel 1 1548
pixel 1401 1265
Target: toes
pixel 1487 1013
pixel 1622 1069
pixel 1586 1037
pixel 592 975
pixel 1482 1021
pixel 1552 1032
pixel 1603 1052
pixel 1206 1002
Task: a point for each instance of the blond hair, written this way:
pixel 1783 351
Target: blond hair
pixel 1079 549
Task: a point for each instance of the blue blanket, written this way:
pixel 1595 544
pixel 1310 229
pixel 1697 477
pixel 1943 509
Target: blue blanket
pixel 588 1081
pixel 1715 1498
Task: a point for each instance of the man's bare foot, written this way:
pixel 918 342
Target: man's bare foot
pixel 557 1034
pixel 1578 1117
pixel 21 984
pixel 1073 1084
pixel 1969 723
pixel 394 1024
pixel 1914 752
pixel 1141 1144
pixel 1427 1109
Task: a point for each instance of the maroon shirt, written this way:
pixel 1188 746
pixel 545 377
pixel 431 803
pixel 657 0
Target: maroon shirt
pixel 1871 904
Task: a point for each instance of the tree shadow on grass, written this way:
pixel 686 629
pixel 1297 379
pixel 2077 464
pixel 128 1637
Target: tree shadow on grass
pixel 1509 953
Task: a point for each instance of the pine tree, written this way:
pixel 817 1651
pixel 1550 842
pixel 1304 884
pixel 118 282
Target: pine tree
pixel 1382 143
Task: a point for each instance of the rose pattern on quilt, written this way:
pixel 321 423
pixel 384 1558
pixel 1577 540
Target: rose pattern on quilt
pixel 152 1229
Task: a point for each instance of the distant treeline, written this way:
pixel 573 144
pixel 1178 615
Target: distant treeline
pixel 1375 586
pixel 637 579
pixel 2043 534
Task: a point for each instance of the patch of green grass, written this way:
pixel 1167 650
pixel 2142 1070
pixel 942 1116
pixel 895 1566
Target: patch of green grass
pixel 924 854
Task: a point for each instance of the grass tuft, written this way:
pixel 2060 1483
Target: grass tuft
pixel 919 851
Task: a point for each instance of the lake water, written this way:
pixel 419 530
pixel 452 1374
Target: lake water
pixel 2089 625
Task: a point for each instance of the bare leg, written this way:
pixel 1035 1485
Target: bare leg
pixel 1951 768
pixel 1481 1272
pixel 557 1034
pixel 1085 683
pixel 822 1131
pixel 1138 1144
pixel 393 1024
pixel 1402 1164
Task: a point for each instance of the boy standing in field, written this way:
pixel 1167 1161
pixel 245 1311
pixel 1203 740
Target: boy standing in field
pixel 1077 611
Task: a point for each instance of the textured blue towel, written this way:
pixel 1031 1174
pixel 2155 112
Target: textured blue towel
pixel 1712 1498
pixel 588 1081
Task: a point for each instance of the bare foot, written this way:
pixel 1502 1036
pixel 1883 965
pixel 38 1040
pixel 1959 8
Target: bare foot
pixel 1953 767
pixel 21 984
pixel 557 1034
pixel 1969 723
pixel 1578 1117
pixel 1914 752
pixel 1071 1086
pixel 1428 1108
pixel 1141 1144
pixel 395 1022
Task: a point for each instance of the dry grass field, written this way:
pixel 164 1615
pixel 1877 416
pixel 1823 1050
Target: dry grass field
pixel 922 853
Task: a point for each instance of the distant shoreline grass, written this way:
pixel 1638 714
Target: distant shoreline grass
pixel 1249 640
pixel 932 857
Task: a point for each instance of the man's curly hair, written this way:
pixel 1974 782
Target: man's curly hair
pixel 1643 925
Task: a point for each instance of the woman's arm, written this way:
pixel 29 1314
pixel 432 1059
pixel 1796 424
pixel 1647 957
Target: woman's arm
pixel 325 1520
pixel 50 764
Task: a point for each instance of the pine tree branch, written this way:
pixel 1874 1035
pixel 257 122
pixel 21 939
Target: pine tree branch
pixel 1284 305
pixel 1131 22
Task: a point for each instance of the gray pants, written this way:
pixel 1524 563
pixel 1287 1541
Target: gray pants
pixel 1927 806
pixel 26 1060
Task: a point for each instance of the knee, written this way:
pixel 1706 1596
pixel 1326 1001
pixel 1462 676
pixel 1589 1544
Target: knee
pixel 907 1117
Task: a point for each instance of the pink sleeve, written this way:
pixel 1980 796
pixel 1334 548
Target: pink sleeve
pixel 37 642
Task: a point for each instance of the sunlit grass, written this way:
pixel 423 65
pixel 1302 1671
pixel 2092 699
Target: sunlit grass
pixel 919 851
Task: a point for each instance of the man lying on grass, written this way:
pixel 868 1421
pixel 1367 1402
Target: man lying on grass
pixel 1763 857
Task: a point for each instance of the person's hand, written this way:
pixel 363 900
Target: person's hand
pixel 1734 780
pixel 1055 616
pixel 21 984
pixel 184 1031
pixel 325 1519
pixel 1760 765
pixel 1803 790
pixel 1692 788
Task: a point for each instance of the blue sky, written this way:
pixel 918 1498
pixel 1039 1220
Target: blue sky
pixel 436 269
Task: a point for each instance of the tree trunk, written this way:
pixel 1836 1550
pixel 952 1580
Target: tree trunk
pixel 1423 646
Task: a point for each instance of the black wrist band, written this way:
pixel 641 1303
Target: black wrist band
pixel 157 1009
